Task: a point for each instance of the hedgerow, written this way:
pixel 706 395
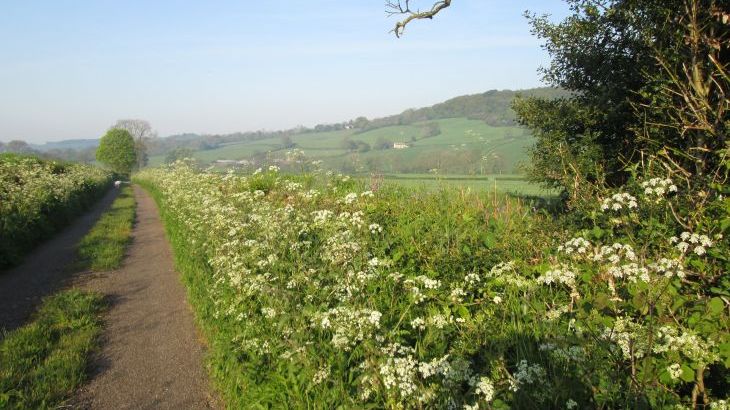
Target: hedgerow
pixel 38 197
pixel 317 292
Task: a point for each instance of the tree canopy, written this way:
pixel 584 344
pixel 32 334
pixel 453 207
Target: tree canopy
pixel 117 151
pixel 645 77
pixel 141 131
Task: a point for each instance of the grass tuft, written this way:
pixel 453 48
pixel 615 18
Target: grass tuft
pixel 104 246
pixel 44 361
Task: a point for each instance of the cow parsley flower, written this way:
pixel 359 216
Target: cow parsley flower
pixel 675 371
pixel 699 243
pixel 559 275
pixel 375 228
pixel 618 202
pixel 418 323
pixel 321 375
pixel 350 198
pixel 656 189
pixel 485 388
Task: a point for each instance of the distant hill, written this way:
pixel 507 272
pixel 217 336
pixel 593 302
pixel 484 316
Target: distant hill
pixel 75 144
pixel 471 134
pixel 494 107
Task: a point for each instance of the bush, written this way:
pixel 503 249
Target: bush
pixel 39 197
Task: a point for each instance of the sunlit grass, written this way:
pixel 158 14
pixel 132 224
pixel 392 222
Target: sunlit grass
pixel 104 246
pixel 45 361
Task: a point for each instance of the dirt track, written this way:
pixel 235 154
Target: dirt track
pixel 151 354
pixel 45 269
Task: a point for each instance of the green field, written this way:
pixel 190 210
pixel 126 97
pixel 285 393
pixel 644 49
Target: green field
pixel 467 153
pixel 512 184
pixel 463 147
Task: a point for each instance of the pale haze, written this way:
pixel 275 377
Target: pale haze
pixel 71 69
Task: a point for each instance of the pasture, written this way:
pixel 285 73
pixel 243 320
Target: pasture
pixel 462 146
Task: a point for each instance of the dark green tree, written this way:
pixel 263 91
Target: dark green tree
pixel 287 142
pixel 177 154
pixel 117 151
pixel 621 60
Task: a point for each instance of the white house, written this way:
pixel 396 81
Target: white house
pixel 400 145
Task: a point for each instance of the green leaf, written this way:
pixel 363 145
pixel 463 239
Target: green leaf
pixel 601 301
pixel 463 312
pixel 597 232
pixel 716 306
pixel 688 374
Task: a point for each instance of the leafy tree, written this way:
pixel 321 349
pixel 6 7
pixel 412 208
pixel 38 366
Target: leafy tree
pixel 360 122
pixel 348 144
pixel 363 146
pixel 177 154
pixel 141 131
pixel 381 143
pixel 430 129
pixel 645 78
pixel 616 57
pixel 19 146
pixel 117 151
pixel 287 142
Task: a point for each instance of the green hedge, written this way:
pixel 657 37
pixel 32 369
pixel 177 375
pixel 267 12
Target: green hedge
pixel 39 197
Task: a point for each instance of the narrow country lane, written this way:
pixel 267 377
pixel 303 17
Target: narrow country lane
pixel 151 354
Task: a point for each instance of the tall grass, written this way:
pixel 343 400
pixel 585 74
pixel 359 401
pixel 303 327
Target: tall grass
pixel 317 292
pixel 268 344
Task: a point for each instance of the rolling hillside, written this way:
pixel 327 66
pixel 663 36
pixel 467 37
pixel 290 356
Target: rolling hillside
pixel 463 146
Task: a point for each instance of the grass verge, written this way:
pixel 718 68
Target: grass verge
pixel 44 361
pixel 103 247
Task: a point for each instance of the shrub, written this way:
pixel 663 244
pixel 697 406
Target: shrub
pixel 39 197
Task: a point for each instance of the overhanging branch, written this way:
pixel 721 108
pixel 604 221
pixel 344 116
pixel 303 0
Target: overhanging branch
pixel 399 7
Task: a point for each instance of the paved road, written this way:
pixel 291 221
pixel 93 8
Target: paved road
pixel 152 355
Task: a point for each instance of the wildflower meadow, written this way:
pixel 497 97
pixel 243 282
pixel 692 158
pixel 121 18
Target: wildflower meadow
pixel 317 290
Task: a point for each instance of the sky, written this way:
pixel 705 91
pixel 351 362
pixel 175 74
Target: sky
pixel 70 69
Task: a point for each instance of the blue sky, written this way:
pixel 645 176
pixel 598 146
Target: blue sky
pixel 72 68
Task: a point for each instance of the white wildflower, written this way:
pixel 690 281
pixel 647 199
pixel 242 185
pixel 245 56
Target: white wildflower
pixel 675 371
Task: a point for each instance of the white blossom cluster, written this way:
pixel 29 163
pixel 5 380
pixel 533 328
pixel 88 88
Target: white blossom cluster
pixel 505 273
pixel 558 275
pixel 349 326
pixel 697 242
pixel 527 373
pixel 575 246
pixel 630 337
pixel 674 370
pixel 685 342
pixel 619 201
pixel 655 189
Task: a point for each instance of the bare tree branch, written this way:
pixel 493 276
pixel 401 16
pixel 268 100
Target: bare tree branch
pixel 403 7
